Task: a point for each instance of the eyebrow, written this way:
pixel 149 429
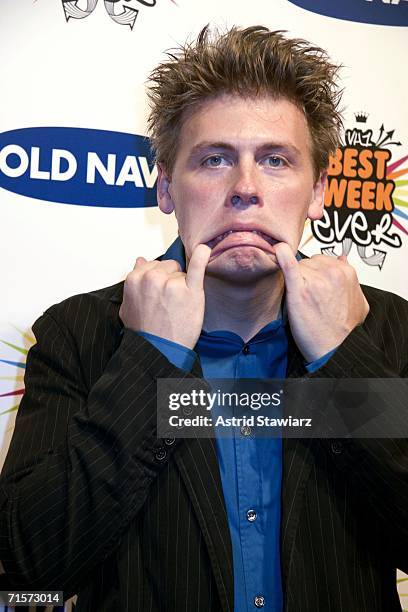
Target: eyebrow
pixel 225 146
pixel 201 146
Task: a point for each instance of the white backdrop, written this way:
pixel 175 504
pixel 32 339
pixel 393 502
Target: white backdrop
pixel 89 72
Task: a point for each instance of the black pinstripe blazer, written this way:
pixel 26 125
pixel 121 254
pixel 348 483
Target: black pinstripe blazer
pixel 91 502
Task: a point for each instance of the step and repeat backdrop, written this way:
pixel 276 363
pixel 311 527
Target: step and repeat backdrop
pixel 77 188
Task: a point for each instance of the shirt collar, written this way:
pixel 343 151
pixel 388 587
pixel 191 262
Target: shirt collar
pixel 176 251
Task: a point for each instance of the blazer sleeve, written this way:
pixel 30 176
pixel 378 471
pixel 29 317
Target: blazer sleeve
pixel 81 460
pixel 377 468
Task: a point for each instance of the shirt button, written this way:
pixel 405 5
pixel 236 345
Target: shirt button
pixel 246 430
pixel 169 441
pixel 251 515
pixel 336 447
pixel 161 454
pixel 245 349
pixel 259 601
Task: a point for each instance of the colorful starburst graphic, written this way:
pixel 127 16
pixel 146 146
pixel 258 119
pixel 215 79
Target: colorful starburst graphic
pixel 400 196
pixel 402 582
pixel 14 371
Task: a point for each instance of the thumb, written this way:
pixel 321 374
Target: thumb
pixel 197 265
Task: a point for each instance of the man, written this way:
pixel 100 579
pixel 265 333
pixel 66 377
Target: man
pixel 93 502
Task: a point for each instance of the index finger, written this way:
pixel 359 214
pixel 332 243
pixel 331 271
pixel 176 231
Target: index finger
pixel 289 265
pixel 197 265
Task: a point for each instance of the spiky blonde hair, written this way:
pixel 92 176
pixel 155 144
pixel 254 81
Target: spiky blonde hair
pixel 249 62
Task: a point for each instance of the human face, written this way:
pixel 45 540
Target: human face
pixel 242 164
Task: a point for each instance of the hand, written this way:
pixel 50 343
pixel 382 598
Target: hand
pixel 324 300
pixel 160 299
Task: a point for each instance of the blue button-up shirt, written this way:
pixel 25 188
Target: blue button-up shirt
pixel 250 468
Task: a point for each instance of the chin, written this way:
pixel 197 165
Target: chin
pixel 244 266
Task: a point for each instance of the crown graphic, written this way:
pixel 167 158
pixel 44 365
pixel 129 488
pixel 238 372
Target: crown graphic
pixel 361 117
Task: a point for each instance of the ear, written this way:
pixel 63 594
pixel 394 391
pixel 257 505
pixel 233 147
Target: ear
pixel 164 199
pixel 316 206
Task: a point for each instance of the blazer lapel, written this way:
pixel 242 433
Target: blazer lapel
pixel 198 465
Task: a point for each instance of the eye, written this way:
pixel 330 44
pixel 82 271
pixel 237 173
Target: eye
pixel 274 161
pixel 214 161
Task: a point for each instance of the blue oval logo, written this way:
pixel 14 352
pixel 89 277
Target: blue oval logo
pixel 78 166
pixel 379 12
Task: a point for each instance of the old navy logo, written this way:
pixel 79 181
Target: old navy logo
pixel 79 9
pixel 380 12
pixel 78 166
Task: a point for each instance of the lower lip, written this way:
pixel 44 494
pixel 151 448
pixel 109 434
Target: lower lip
pixel 242 239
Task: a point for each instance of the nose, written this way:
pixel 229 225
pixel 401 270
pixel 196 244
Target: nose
pixel 237 200
pixel 245 188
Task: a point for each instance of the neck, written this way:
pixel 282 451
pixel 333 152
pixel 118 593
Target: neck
pixel 243 310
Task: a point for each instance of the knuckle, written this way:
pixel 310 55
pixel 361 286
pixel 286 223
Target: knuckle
pixel 171 287
pixel 174 263
pixel 321 259
pixel 336 273
pixel 153 277
pixel 131 279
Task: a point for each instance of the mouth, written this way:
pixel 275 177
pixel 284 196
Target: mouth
pixel 242 237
